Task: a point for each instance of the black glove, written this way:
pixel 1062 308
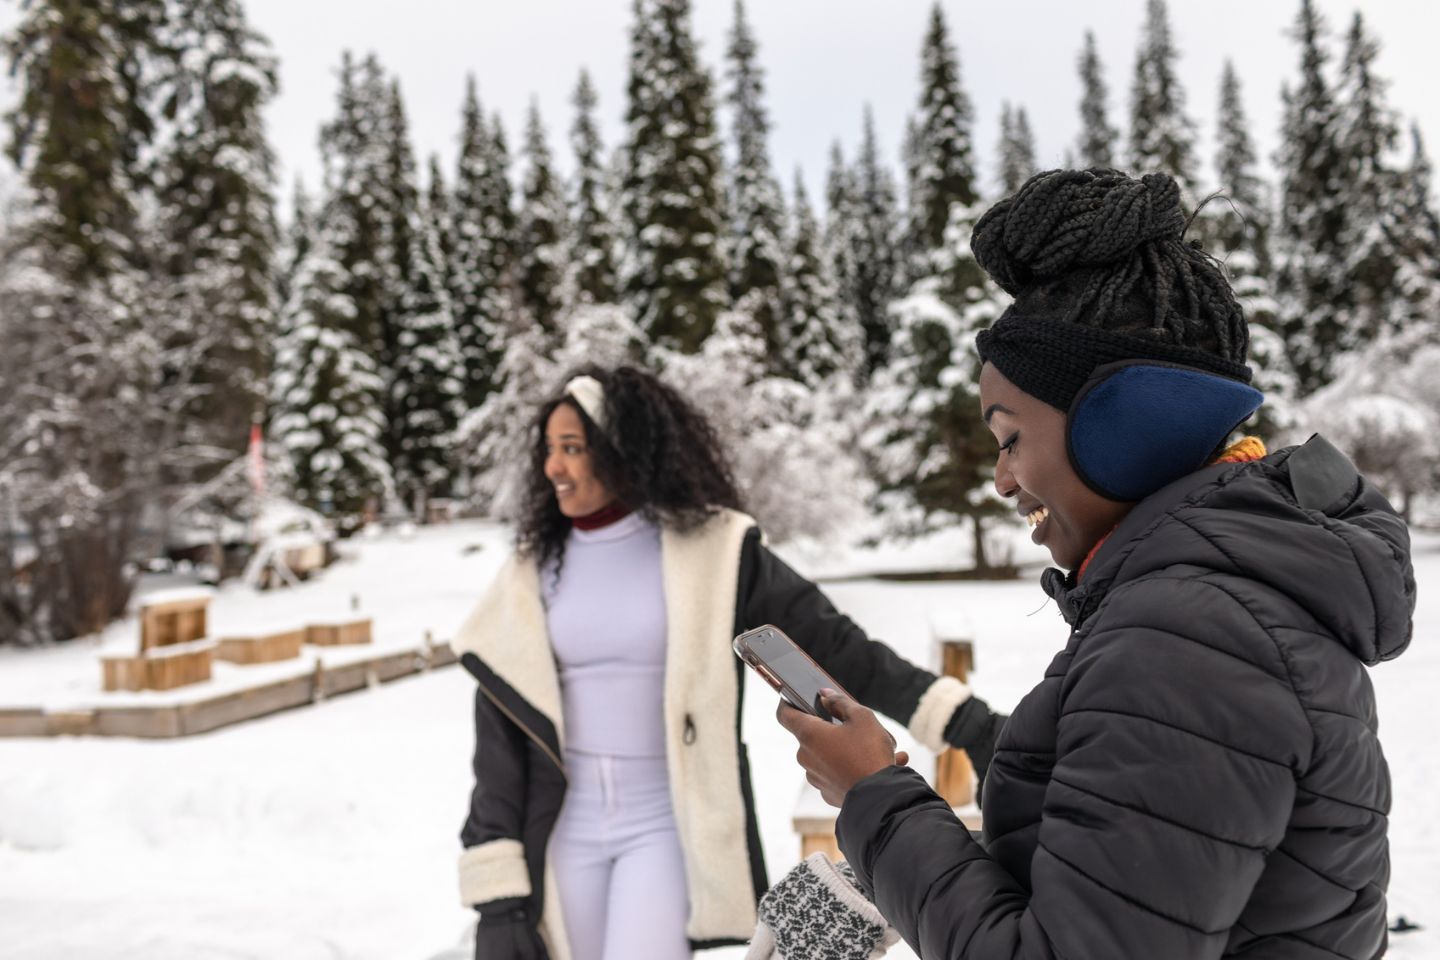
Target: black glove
pixel 974 728
pixel 506 932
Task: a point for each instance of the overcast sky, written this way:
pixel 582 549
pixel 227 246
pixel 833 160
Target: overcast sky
pixel 824 59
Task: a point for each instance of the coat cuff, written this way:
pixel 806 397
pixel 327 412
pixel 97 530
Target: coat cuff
pixel 493 870
pixel 932 714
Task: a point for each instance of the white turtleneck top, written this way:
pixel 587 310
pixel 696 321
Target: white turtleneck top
pixel 606 617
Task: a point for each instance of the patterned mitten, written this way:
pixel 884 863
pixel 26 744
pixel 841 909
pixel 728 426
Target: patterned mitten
pixel 817 912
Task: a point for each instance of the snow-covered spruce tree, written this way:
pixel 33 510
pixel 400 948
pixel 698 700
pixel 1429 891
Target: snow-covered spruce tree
pixel 542 229
pixel 214 184
pixel 942 168
pixel 776 429
pixel 295 241
pixel 1162 137
pixel 930 455
pixel 594 268
pixel 438 211
pixel 1017 149
pixel 1418 235
pixel 1096 146
pixel 327 390
pixel 1233 227
pixel 90 428
pixel 838 248
pixel 817 343
pixel 675 273
pixel 872 241
pixel 420 364
pixel 353 148
pixel 1369 134
pixel 484 229
pixel 494 437
pixel 1310 229
pixel 756 250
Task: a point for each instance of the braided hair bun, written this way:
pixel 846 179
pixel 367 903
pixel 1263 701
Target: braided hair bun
pixel 1101 249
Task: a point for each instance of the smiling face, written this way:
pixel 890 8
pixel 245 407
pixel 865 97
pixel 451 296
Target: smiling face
pixel 1067 517
pixel 568 466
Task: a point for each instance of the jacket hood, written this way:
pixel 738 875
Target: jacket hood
pixel 1301 521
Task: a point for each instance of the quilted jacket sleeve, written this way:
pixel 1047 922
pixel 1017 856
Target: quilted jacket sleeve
pixel 1178 741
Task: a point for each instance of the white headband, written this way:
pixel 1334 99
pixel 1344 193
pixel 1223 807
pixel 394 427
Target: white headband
pixel 587 392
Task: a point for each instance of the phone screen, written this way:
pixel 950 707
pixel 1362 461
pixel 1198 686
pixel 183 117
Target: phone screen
pixel 795 669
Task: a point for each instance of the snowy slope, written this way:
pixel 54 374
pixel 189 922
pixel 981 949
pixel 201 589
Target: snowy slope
pixel 330 831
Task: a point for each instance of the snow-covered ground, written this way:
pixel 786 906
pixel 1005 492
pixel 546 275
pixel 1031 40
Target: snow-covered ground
pixel 330 831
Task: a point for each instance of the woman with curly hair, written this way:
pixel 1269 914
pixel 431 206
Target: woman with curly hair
pixel 612 797
pixel 1198 774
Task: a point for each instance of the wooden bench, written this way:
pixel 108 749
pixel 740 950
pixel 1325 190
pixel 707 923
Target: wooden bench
pixel 174 616
pixel 262 647
pixel 160 668
pixel 339 632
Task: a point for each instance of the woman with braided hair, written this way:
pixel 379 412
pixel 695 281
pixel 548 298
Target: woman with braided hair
pixel 611 816
pixel 1197 774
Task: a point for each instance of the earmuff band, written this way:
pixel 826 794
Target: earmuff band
pixel 1053 360
pixel 1138 425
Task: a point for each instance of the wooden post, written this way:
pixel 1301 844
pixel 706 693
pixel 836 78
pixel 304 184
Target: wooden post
pixel 954 775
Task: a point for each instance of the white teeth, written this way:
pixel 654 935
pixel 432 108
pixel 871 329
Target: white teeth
pixel 1037 517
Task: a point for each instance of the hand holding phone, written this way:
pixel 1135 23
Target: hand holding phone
pixel 787 668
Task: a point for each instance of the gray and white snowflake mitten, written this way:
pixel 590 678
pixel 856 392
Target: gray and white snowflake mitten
pixel 818 912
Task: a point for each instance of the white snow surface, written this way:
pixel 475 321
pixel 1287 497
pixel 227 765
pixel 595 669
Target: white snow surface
pixel 330 831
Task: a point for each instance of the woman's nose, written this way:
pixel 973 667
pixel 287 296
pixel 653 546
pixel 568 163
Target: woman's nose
pixel 1005 484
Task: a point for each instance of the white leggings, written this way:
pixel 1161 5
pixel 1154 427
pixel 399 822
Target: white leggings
pixel 617 864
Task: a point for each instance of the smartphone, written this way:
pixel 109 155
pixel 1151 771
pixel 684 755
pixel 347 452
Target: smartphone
pixel 787 668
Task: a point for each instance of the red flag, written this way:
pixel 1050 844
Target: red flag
pixel 256 465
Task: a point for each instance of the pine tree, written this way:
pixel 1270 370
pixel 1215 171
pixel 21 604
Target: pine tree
pixel 93 389
pixel 1310 230
pixel 354 149
pixel 295 242
pixel 1234 227
pixel 542 230
pixel 756 252
pixel 1369 133
pixel 675 277
pixel 944 172
pixel 931 456
pixel 1418 283
pixel 594 270
pixel 80 124
pixel 816 340
pixel 327 389
pixel 1017 149
pixel 1096 147
pixel 214 189
pixel 1162 137
pixel 419 364
pixel 438 210
pixel 481 252
pixel 872 257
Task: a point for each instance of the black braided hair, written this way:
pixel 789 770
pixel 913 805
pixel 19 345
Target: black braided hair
pixel 1101 249
pixel 658 455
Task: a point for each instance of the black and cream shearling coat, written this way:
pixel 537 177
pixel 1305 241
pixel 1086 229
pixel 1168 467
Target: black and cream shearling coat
pixel 719 580
pixel 1198 775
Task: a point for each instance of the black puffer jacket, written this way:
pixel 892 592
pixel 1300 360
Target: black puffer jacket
pixel 1198 774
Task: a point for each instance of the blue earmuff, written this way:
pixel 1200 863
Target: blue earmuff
pixel 1138 425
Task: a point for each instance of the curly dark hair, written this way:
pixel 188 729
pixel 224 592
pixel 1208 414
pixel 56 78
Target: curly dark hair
pixel 658 455
pixel 1098 248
